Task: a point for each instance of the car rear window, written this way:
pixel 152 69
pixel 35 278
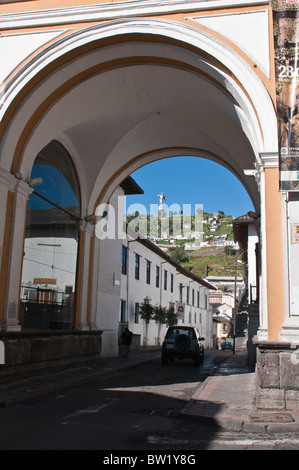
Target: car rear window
pixel 174 332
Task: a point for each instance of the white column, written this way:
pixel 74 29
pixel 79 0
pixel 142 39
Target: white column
pixel 11 309
pixel 263 326
pixel 94 284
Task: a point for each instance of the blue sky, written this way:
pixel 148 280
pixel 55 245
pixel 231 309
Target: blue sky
pixel 191 180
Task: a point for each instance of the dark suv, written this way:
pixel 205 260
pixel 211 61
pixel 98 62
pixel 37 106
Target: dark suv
pixel 182 342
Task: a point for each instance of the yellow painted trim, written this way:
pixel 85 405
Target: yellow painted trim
pixel 24 239
pixel 6 252
pixel 274 254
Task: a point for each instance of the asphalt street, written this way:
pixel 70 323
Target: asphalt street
pixel 134 410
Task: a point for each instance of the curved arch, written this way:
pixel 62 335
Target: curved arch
pixel 215 61
pixel 193 38
pixel 67 144
pixel 102 193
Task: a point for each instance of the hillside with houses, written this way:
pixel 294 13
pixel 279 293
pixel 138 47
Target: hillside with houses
pixel 203 243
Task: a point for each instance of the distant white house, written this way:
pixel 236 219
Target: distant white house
pixel 222 321
pixel 223 310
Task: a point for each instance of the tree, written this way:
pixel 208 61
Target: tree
pixel 146 311
pixel 163 315
pixel 178 254
pixel 160 315
pixel 172 317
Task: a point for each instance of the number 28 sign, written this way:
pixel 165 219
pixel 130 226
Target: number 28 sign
pixel 287 71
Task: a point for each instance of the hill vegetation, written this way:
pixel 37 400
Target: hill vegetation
pixel 209 251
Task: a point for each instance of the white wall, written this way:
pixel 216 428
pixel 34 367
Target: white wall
pixel 114 287
pixel 134 291
pixel 252 241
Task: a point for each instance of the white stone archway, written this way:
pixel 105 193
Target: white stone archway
pixel 126 93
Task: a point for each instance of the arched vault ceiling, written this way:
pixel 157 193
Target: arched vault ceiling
pixel 116 115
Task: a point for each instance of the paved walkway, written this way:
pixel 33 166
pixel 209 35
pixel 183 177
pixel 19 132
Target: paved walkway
pixel 225 399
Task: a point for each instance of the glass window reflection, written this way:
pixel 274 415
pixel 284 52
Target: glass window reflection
pixel 51 243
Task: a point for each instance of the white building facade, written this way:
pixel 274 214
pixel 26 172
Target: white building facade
pixel 134 269
pixel 150 273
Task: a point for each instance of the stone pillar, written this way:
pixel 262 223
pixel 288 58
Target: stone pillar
pixel 277 368
pixel 86 230
pixel 277 377
pixel 93 284
pixel 15 258
pixel 272 301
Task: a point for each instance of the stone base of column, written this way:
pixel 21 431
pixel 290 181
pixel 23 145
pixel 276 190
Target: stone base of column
pixel 83 326
pixel 290 332
pixel 10 326
pixel 277 376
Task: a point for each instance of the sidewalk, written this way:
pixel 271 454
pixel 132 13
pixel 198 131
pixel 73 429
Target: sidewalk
pixel 226 399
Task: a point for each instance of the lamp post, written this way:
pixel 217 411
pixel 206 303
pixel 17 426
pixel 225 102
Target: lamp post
pixel 235 267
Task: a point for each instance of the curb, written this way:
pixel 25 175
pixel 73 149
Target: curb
pixel 230 416
pixel 230 421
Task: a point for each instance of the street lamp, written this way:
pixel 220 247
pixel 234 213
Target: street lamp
pixel 235 267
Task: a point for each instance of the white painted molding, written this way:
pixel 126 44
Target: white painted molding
pixel 269 160
pixel 108 11
pixel 7 179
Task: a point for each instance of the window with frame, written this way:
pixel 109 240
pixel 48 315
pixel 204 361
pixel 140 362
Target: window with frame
pixel 48 287
pixel 122 311
pixel 157 276
pixel 165 279
pixel 181 292
pixel 148 272
pixel 171 282
pixel 198 298
pixel 137 266
pixel 188 295
pixel 124 258
pixel 136 313
pixel 193 297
